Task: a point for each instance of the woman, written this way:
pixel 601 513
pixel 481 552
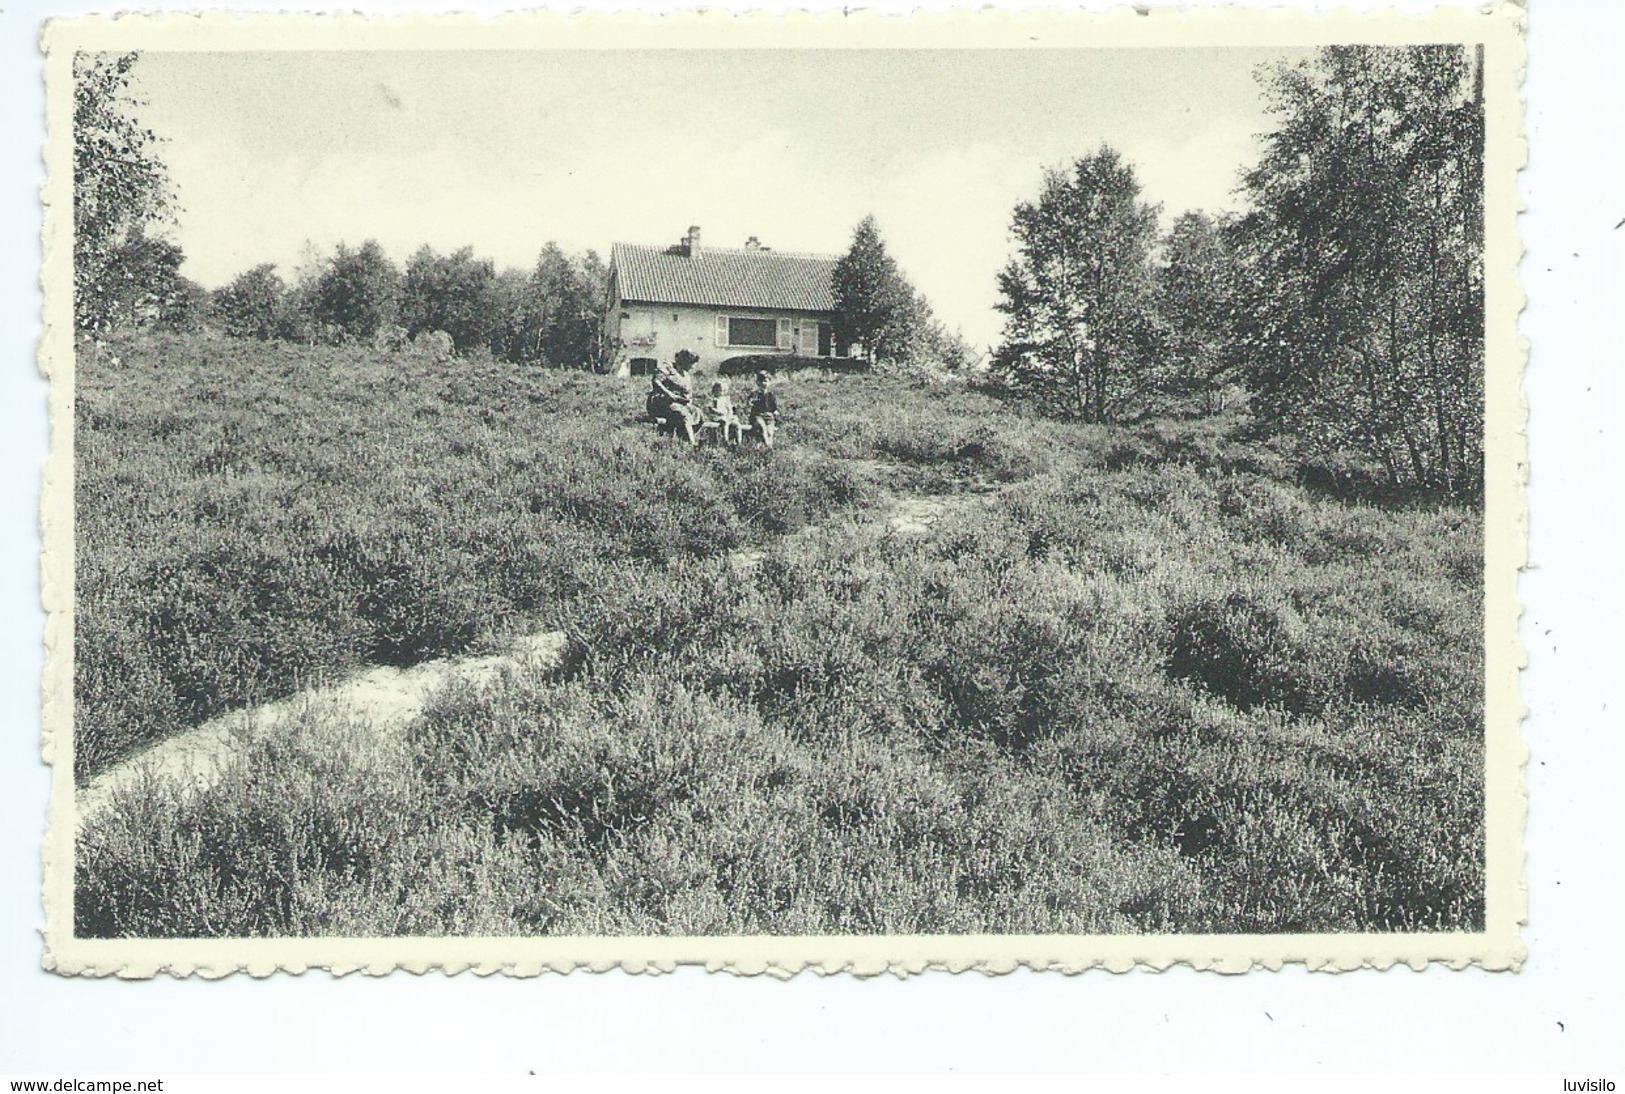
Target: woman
pixel 671 398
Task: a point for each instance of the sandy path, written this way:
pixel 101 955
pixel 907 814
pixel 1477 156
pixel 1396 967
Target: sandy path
pixel 386 698
pixel 389 698
pixel 903 513
pixel 915 516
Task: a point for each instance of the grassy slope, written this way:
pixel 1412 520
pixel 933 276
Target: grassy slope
pixel 252 518
pixel 1152 683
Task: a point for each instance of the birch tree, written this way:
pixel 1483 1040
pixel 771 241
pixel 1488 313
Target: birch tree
pixel 120 185
pixel 1196 297
pixel 1364 253
pixel 1081 331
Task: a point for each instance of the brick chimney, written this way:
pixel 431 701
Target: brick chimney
pixel 692 241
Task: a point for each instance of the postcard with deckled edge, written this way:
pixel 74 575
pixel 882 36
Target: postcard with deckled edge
pixel 836 491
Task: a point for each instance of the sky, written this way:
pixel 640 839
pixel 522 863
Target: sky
pixel 272 153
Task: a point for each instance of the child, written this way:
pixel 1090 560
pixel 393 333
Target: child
pixel 764 410
pixel 721 412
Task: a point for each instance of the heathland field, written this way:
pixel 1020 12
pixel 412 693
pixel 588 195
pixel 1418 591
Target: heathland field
pixel 1129 679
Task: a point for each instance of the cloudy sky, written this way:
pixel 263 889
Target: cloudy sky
pixel 505 151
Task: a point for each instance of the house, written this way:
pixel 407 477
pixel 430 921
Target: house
pixel 717 303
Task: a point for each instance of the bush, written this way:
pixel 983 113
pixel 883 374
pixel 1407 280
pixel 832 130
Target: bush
pixel 328 507
pixel 1246 649
pixel 779 364
pixel 1165 692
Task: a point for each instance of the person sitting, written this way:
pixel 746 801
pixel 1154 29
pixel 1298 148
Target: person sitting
pixel 764 410
pixel 671 400
pixel 720 414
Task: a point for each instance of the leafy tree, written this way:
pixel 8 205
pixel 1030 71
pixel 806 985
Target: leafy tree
pixel 120 186
pixel 1196 298
pixel 1363 325
pixel 554 316
pixel 141 286
pixel 556 291
pixel 297 320
pixel 934 346
pixel 570 298
pixel 358 292
pixel 874 303
pixel 593 274
pixel 952 352
pixel 452 293
pixel 1082 332
pixel 512 334
pixel 252 305
pixel 184 306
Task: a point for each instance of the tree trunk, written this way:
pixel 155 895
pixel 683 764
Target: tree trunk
pixel 1395 359
pixel 1441 417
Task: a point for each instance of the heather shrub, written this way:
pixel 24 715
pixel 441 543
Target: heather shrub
pixel 782 491
pixel 416 598
pixel 696 817
pixel 1246 648
pixel 1133 680
pixel 332 506
pixel 122 696
pixel 319 803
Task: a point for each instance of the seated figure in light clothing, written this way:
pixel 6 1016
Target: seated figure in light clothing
pixel 721 414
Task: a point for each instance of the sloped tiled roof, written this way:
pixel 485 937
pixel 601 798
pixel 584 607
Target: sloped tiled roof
pixel 724 277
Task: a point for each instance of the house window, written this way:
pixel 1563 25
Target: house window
pixel 642 366
pixel 755 332
pixel 744 331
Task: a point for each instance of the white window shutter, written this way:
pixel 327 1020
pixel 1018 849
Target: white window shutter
pixel 784 334
pixel 722 330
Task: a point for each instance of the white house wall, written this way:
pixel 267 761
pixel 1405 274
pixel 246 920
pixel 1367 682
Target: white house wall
pixel 659 331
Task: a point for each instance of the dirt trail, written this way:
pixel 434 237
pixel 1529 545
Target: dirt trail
pixel 915 516
pixel 387 698
pixel 904 512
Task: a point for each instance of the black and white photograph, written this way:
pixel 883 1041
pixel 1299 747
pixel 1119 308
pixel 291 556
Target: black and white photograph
pixel 728 491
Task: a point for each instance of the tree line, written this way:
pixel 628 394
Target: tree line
pixel 551 314
pixel 125 275
pixel 1346 301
